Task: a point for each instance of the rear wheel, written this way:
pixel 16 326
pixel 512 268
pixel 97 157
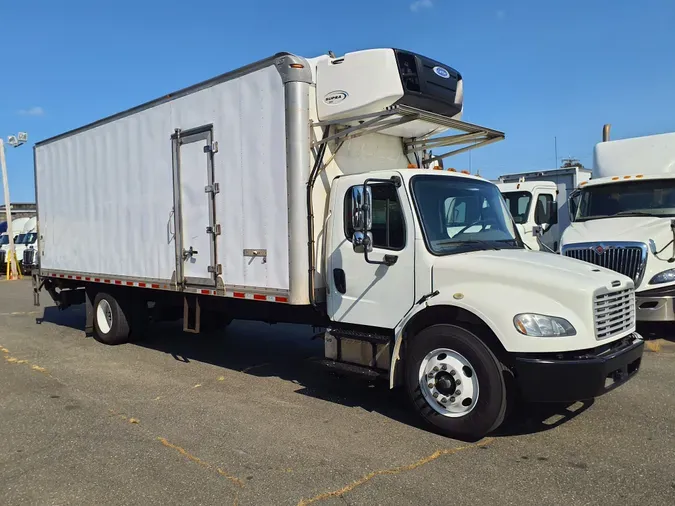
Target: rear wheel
pixel 111 321
pixel 454 382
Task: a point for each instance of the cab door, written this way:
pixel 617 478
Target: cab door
pixel 545 214
pixel 379 291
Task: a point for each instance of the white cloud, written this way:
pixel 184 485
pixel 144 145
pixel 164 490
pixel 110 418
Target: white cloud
pixel 421 4
pixel 501 14
pixel 33 111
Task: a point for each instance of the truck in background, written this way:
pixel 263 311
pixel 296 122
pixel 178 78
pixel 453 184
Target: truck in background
pixel 281 192
pixel 25 240
pixel 625 218
pixel 538 202
pixel 17 229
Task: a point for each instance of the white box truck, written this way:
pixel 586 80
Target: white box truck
pixel 625 219
pixel 281 192
pixel 538 203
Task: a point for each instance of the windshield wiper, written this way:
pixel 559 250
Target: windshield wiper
pixel 486 244
pixel 636 213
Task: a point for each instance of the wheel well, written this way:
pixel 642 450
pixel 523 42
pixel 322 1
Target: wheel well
pixel 454 315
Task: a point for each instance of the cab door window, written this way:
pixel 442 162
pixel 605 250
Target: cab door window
pixel 388 224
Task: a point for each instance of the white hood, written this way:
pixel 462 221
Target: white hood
pixel 629 229
pixel 498 285
pixel 626 228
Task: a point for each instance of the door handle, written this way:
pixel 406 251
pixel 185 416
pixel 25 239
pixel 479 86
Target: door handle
pixel 189 253
pixel 340 280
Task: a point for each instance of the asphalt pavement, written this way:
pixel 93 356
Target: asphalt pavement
pixel 246 417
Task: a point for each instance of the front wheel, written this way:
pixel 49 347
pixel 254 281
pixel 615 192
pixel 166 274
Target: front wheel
pixel 455 382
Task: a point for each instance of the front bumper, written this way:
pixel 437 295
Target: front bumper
pixel 656 305
pixel 583 375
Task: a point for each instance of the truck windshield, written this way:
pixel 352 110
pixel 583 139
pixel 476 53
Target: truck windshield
pixel 30 238
pixel 4 239
pixel 519 205
pixel 20 239
pixel 638 198
pixel 462 214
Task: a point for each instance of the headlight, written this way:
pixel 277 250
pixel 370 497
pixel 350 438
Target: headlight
pixel 539 325
pixel 663 277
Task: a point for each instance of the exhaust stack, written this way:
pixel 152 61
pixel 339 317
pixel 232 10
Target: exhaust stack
pixel 605 132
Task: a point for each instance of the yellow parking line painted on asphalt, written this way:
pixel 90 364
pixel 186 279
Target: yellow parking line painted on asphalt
pixel 200 462
pixel 21 313
pixel 392 471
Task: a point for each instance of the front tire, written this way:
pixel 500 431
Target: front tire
pixel 111 322
pixel 455 382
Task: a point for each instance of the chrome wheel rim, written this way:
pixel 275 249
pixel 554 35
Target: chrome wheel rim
pixel 449 383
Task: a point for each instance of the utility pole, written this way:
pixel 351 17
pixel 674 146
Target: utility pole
pixel 11 257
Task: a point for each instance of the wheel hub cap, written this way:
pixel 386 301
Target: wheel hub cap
pixel 448 382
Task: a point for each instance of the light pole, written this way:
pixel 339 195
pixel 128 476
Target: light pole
pixel 14 141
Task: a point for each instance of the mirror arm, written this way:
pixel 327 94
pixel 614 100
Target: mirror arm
pixel 389 260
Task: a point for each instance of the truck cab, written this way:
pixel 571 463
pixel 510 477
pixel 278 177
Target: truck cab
pixel 624 219
pixel 17 229
pixel 534 210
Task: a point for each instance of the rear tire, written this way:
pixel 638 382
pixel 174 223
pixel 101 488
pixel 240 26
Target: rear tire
pixel 455 382
pixel 111 320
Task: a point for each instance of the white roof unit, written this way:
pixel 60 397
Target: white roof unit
pixel 395 93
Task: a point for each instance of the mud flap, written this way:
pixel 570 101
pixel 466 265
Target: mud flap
pixel 89 312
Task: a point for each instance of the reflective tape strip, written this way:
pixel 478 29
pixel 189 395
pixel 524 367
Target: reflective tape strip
pixel 282 299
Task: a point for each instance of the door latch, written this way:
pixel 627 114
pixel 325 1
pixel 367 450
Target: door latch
pixel 212 188
pixel 215 269
pixel 189 253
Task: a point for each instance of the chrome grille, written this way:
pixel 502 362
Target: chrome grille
pixel 628 259
pixel 28 256
pixel 614 313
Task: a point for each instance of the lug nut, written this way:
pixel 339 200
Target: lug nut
pixel 444 367
pixel 452 399
pixel 444 400
pixel 435 394
pixel 435 368
pixel 431 375
pixel 431 385
pixel 457 392
pixel 453 372
pixel 458 382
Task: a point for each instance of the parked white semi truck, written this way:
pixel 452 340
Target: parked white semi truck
pixel 281 192
pixel 538 202
pixel 17 229
pixel 625 219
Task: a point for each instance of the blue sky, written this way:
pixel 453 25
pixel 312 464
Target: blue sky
pixel 534 69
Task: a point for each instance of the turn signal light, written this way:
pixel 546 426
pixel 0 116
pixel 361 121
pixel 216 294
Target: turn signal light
pixel 297 66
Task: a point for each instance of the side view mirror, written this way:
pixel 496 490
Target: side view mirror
pixel 652 246
pixel 362 218
pixel 553 213
pixel 573 204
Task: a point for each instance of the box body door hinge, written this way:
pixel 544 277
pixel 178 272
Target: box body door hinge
pixel 215 230
pixel 211 148
pixel 215 269
pixel 212 188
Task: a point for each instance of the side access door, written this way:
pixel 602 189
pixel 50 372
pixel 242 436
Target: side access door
pixel 376 289
pixel 194 205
